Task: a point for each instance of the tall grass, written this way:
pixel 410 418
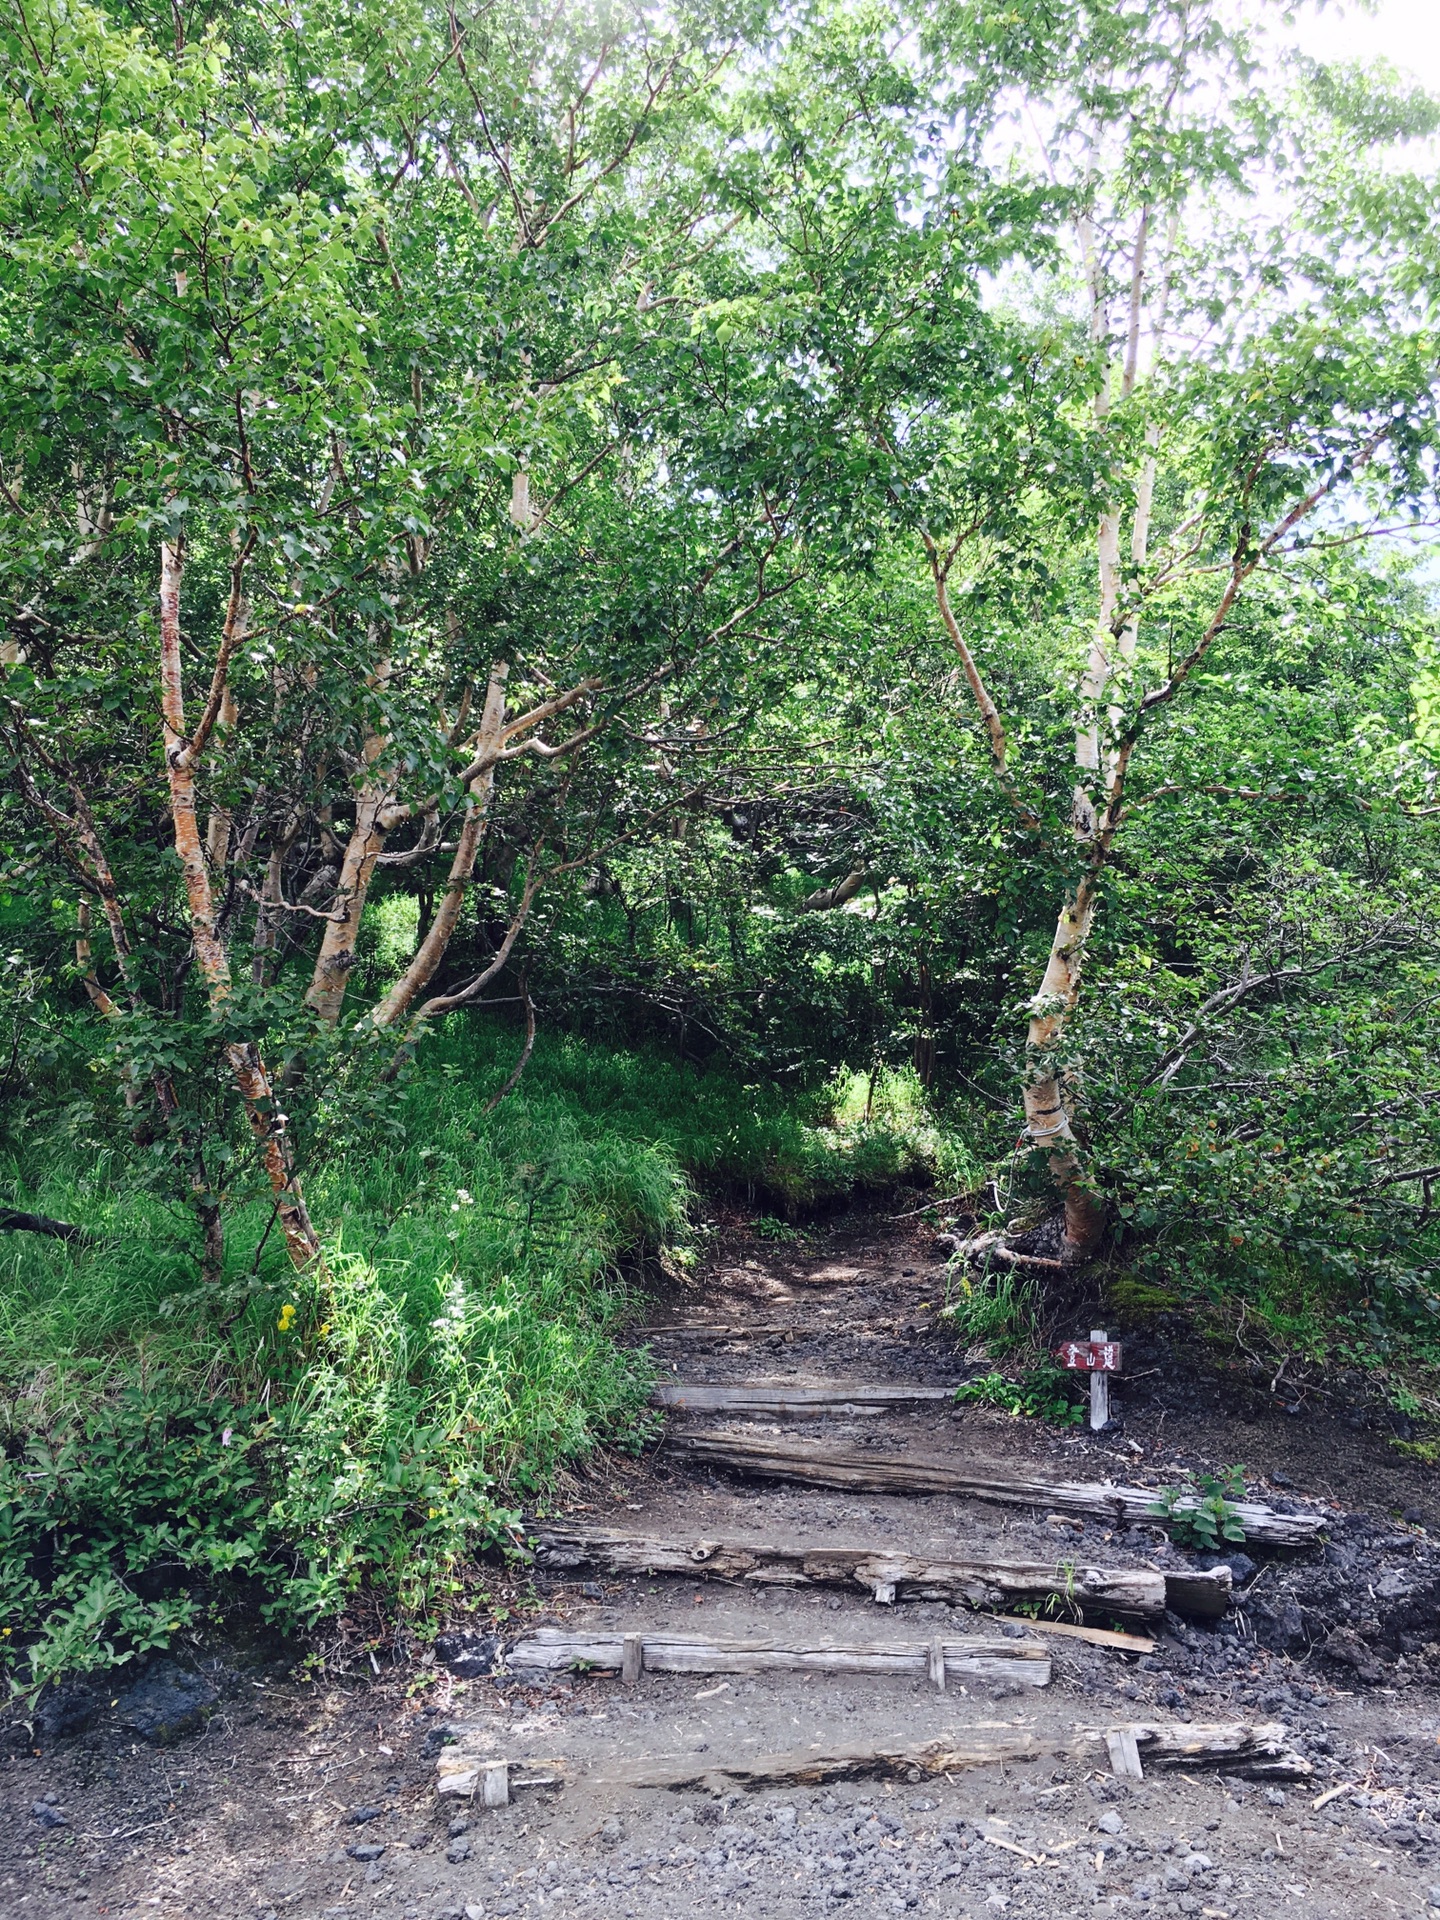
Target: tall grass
pixel 372 1423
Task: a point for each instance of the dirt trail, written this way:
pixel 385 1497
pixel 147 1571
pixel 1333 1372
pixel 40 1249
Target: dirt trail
pixel 309 1800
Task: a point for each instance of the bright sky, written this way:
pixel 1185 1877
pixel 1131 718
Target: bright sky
pixel 1404 32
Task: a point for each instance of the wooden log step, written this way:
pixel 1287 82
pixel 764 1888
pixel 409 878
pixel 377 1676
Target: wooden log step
pixel 552 1650
pixel 1256 1749
pixel 855 1469
pixel 726 1330
pixel 765 1396
pixel 983 1581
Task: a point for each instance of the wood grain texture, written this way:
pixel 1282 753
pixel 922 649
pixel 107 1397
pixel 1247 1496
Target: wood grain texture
pixel 551 1650
pixel 853 1468
pixel 986 1581
pixel 763 1396
pixel 1256 1749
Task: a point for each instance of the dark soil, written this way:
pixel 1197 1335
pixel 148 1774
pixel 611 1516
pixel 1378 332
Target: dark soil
pixel 225 1783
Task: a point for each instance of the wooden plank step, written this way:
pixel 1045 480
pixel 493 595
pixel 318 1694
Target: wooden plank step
pixel 1257 1749
pixel 767 1396
pixel 552 1650
pixel 855 1469
pixel 975 1580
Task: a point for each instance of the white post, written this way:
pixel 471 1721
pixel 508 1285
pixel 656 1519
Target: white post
pixel 937 1664
pixel 495 1783
pixel 1099 1388
pixel 632 1658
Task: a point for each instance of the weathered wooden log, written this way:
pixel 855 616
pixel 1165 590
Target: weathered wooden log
pixel 1204 1592
pixel 983 1581
pixel 853 1469
pixel 722 1330
pixel 552 1650
pixel 1258 1750
pixel 764 1396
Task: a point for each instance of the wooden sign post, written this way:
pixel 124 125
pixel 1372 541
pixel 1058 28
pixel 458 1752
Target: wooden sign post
pixel 1099 1357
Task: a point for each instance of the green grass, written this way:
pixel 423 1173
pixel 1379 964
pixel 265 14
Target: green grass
pixel 369 1427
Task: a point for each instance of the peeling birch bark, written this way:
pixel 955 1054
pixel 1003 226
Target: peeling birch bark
pixel 267 1121
pixel 431 950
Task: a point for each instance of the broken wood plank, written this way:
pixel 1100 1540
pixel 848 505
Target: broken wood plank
pixel 1093 1636
pixel 980 1581
pixel 552 1650
pixel 766 1396
pixel 461 1773
pixel 1124 1750
pixel 853 1468
pixel 1259 1750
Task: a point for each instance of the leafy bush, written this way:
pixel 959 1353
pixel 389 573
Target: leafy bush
pixel 1044 1392
pixel 1202 1514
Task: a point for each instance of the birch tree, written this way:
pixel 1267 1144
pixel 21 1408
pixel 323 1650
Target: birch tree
pixel 1261 377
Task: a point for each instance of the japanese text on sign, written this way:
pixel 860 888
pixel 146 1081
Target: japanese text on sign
pixel 1090 1356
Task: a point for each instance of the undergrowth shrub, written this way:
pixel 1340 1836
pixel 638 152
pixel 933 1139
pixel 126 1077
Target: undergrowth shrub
pixel 291 1441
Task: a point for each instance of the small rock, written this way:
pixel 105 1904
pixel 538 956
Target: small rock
pixel 472 1912
pixel 589 1590
pixel 1110 1822
pixel 457 1852
pixel 48 1815
pixel 1280 1479
pixel 66 1707
pixel 468 1655
pixel 1274 1797
pixel 1434 1896
pixel 921 1805
pixel 367 1850
pixel 165 1703
pixel 357 1816
pixel 612 1833
pixel 458 1826
pixel 372 1872
pixel 1346 1646
pixel 1413 1517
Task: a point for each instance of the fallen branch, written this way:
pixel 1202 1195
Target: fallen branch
pixel 853 1468
pixel 12 1221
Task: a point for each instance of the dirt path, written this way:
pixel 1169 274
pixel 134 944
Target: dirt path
pixel 303 1799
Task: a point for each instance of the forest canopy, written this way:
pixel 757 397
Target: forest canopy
pixel 610 601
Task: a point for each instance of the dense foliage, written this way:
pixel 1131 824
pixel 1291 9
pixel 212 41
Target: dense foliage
pixel 607 600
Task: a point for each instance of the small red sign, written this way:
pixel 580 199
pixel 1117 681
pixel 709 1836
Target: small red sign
pixel 1090 1356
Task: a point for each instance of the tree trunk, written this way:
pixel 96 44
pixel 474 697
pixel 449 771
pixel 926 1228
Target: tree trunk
pixel 267 1122
pixel 432 948
pixel 1047 1115
pixel 336 958
pixel 364 847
